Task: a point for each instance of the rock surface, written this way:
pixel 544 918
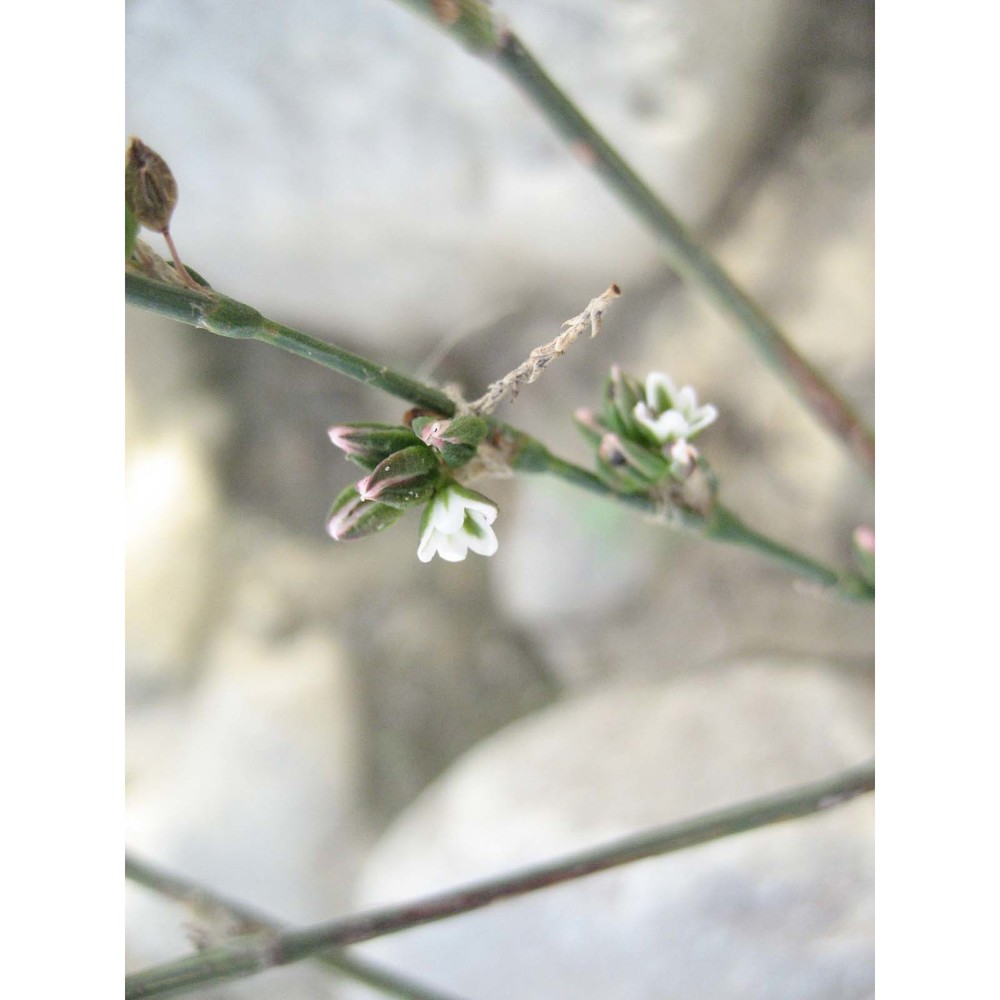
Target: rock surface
pixel 783 912
pixel 349 165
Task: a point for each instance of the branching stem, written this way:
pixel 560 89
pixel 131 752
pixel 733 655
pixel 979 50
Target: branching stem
pixel 475 25
pixel 246 956
pixel 228 318
pixel 186 891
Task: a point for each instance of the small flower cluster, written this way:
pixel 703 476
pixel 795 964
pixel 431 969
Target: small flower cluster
pixel 408 466
pixel 643 433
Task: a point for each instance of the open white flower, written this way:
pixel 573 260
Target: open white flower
pixel 672 414
pixel 456 521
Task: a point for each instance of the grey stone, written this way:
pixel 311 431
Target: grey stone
pixel 346 164
pixel 781 912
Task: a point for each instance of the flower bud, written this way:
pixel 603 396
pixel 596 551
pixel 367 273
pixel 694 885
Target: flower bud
pixel 864 551
pixel 150 188
pixel 352 517
pixel 683 459
pixel 621 393
pixel 456 440
pixel 651 465
pixel 589 426
pixel 614 467
pixel 370 443
pixel 405 478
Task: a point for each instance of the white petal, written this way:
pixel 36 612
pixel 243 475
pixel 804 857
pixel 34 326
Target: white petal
pixel 483 543
pixel 660 426
pixel 472 500
pixel 453 548
pixel 428 544
pixel 449 512
pixel 668 425
pixel 686 400
pixel 702 417
pixel 657 384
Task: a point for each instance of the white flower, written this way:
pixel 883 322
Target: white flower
pixel 455 521
pixel 669 413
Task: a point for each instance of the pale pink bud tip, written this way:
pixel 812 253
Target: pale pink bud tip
pixel 864 538
pixel 340 436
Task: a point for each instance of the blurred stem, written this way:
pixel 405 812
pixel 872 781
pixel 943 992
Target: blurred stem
pixel 186 891
pixel 229 318
pixel 246 956
pixel 501 46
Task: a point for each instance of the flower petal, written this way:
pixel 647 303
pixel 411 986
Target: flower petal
pixel 686 400
pixel 702 417
pixel 660 391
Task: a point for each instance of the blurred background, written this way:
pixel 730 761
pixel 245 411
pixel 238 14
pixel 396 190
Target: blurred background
pixel 313 726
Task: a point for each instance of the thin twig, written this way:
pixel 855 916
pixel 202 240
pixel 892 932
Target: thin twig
pixel 249 919
pixel 528 454
pixel 475 25
pixel 541 357
pixel 229 318
pixel 247 956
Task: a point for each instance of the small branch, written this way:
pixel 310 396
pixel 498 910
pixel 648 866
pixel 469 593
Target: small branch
pixel 188 892
pixel 246 956
pixel 226 317
pixel 719 523
pixel 210 311
pixel 541 357
pixel 502 47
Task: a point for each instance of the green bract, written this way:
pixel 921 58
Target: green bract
pixel 367 444
pixel 403 479
pixel 352 517
pixel 456 440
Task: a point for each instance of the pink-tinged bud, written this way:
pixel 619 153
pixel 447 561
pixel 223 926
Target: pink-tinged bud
pixel 430 433
pixel 343 437
pixel 367 444
pixel 589 426
pixel 615 468
pixel 405 478
pixel 352 517
pixel 457 440
pixel 649 465
pixel 864 538
pixel 684 458
pixel 864 551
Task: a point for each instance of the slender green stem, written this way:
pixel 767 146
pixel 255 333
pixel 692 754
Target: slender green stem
pixel 229 318
pixel 691 260
pixel 247 955
pixel 720 524
pixel 250 919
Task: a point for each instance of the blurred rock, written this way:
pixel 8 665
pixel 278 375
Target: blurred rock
pixel 346 164
pixel 255 789
pixel 171 560
pixel 784 912
pixel 438 671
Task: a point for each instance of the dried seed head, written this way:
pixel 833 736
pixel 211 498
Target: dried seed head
pixel 150 188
